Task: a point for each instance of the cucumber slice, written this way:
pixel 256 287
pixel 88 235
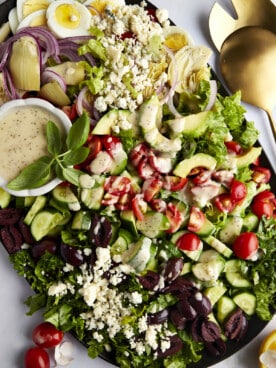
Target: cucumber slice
pixel 81 221
pixel 231 230
pixel 237 279
pixel 37 206
pixel 129 221
pixel 64 194
pixel 225 306
pixel 5 198
pixel 153 225
pixel 214 293
pixel 92 197
pixel 246 301
pixel 44 222
pixel 208 271
pixel 139 254
pixel 218 246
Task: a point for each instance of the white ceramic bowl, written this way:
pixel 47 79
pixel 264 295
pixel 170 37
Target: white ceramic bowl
pixel 59 116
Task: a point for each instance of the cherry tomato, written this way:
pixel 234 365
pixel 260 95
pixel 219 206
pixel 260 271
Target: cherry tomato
pixel 145 170
pixel 238 191
pixel 261 174
pixel 158 204
pixel 202 176
pixel 36 358
pixel 46 335
pixel 196 220
pixel 174 183
pixel 224 202
pixel 188 241
pixel 94 144
pixel 117 185
pixel 174 216
pixel 138 153
pixel 151 187
pixel 137 205
pixel 233 147
pixel 110 143
pixel 160 163
pixel 246 245
pixel 265 196
pixel 262 208
pixel 70 111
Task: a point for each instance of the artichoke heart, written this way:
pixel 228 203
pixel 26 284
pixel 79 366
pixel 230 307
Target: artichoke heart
pixel 192 67
pixel 24 64
pixel 53 93
pixel 72 72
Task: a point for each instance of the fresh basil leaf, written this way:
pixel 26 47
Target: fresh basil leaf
pixel 78 132
pixel 75 157
pixel 54 143
pixel 71 175
pixel 33 176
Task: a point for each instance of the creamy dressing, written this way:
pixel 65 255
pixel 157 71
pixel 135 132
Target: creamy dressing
pixel 23 138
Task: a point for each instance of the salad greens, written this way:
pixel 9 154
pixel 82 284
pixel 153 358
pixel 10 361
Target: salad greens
pixel 163 230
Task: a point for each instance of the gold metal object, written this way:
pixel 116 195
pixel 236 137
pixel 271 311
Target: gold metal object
pixel 248 64
pixel 249 13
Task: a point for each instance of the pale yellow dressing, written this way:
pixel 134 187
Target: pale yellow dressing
pixel 23 138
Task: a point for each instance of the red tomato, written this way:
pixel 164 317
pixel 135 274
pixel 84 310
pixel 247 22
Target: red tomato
pixel 265 196
pixel 224 203
pixel 246 245
pixel 145 170
pixel 160 163
pixel 151 187
pixel 137 207
pixel 262 208
pixel 174 216
pixel 46 335
pixel 202 176
pixel 196 220
pixel 36 358
pixel 117 185
pixel 174 183
pixel 233 147
pixel 110 143
pixel 70 111
pixel 138 153
pixel 188 241
pixel 238 191
pixel 94 144
pixel 261 174
pixel 158 204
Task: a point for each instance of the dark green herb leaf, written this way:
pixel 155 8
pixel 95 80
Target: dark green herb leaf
pixel 78 132
pixel 54 143
pixel 76 156
pixel 71 175
pixel 33 176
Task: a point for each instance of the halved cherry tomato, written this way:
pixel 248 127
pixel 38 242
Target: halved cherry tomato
pixel 261 174
pixel 36 358
pixel 233 147
pixel 137 207
pixel 110 143
pixel 162 164
pixel 138 153
pixel 238 191
pixel 265 195
pixel 224 202
pixel 246 245
pixel 117 185
pixel 196 220
pixel 188 241
pixel 158 204
pixel 174 216
pixel 46 335
pixel 94 144
pixel 174 183
pixel 70 111
pixel 145 170
pixel 151 187
pixel 264 204
pixel 202 176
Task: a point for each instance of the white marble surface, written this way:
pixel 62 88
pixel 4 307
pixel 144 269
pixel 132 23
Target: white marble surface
pixel 16 327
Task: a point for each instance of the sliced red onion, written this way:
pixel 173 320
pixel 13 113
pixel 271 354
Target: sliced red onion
pixel 9 87
pixel 50 75
pixel 172 108
pixel 213 95
pixel 174 81
pixel 80 99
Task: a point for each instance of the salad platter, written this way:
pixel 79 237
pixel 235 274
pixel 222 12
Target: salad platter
pixel 168 227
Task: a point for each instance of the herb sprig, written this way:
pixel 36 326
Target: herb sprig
pixel 57 163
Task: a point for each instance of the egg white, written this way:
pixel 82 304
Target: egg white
pixel 30 7
pixel 62 30
pixel 13 20
pixel 37 18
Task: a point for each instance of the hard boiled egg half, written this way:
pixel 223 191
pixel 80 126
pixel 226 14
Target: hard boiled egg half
pixel 68 18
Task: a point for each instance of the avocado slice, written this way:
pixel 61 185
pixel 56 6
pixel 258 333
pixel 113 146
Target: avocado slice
pixel 248 157
pixel 148 121
pixel 113 118
pixel 193 125
pixel 185 166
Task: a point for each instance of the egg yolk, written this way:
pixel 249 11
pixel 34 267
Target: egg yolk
pixel 67 16
pixel 176 41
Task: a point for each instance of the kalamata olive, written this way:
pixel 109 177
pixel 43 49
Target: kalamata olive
pixel 180 287
pixel 11 238
pixel 235 325
pixel 158 317
pixel 43 246
pixel 150 280
pixel 100 231
pixel 173 268
pixel 196 329
pixel 10 216
pixel 216 348
pixel 176 344
pixel 26 232
pixel 186 310
pixel 201 303
pixel 71 255
pixel 210 331
pixel 177 319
